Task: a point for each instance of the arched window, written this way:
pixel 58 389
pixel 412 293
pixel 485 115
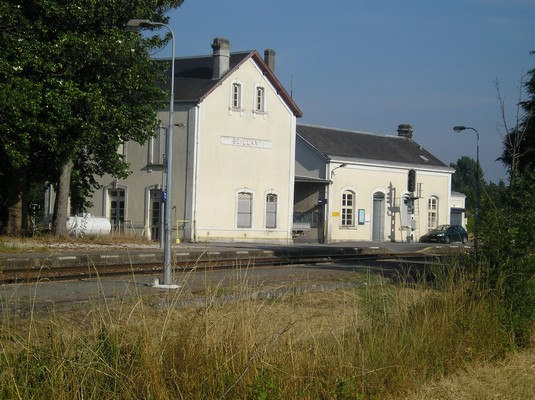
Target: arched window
pixel 116 208
pixel 245 210
pixel 236 96
pixel 156 147
pixel 348 208
pixel 271 210
pixel 432 212
pixel 260 99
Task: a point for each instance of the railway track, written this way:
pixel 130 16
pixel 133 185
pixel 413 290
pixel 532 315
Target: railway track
pixel 53 273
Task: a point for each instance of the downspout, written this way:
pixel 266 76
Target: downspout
pixel 326 217
pixel 291 194
pixel 195 173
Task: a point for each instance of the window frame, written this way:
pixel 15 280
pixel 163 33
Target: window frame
pixel 260 99
pixel 119 210
pixel 432 212
pixel 240 213
pixel 271 214
pixel 236 96
pixel 157 142
pixel 347 211
pixel 122 150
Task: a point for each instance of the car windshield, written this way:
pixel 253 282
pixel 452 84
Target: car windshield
pixel 442 228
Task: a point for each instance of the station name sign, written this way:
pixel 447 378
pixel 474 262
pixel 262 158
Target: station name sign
pixel 246 142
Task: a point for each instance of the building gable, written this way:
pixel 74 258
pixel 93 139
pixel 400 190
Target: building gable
pixel 194 76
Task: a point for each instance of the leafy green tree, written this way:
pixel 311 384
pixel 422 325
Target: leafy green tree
pixel 465 177
pixel 508 251
pixel 519 143
pixel 508 245
pixel 464 180
pixel 74 85
pixel 465 174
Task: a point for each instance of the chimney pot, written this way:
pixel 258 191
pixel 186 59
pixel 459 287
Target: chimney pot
pixel 405 130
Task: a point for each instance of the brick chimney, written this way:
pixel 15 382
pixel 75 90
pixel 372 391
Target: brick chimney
pixel 221 57
pixel 405 130
pixel 269 59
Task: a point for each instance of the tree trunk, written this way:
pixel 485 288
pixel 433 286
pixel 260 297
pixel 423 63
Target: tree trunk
pixel 61 207
pixel 17 215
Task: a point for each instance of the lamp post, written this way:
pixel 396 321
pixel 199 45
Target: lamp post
pixel 476 215
pixel 340 166
pixel 136 24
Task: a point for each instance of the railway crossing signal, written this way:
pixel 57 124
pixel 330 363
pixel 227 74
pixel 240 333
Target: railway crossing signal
pixel 411 184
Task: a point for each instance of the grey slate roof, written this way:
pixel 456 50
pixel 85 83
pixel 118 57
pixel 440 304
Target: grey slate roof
pixel 193 77
pixel 338 143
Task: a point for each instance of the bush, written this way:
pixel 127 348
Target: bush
pixel 507 262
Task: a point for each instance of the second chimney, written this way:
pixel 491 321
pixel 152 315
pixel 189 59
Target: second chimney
pixel 405 130
pixel 221 56
pixel 269 59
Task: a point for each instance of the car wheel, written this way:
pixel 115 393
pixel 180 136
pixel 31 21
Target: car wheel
pixel 465 240
pixel 447 239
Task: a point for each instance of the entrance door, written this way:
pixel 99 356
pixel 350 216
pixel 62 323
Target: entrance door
pixel 378 227
pixel 116 206
pixel 155 213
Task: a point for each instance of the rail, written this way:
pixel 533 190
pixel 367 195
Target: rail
pixel 47 273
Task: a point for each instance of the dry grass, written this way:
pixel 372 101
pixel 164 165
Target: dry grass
pixel 510 379
pixel 380 341
pixel 43 243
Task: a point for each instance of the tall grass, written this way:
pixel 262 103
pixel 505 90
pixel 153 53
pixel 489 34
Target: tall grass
pixel 379 340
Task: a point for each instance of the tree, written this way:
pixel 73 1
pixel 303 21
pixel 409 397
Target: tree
pixel 464 180
pixel 465 175
pixel 506 235
pixel 519 142
pixel 508 253
pixel 74 85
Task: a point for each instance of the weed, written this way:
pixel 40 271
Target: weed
pixel 377 340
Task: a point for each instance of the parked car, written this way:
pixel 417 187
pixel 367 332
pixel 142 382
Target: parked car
pixel 446 234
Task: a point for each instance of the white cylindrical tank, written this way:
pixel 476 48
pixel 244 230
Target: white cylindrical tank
pixel 87 224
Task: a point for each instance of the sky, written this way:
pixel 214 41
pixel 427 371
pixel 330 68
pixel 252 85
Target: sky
pixel 370 65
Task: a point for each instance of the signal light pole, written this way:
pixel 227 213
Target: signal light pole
pixel 411 187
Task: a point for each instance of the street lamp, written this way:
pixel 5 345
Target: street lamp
pixel 476 216
pixel 137 24
pixel 340 166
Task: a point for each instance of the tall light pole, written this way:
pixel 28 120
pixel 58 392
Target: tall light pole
pixel 137 24
pixel 476 215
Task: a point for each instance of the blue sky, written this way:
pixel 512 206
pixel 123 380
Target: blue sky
pixel 370 65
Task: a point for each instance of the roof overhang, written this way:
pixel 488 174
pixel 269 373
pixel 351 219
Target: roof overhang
pixel 308 179
pixel 388 164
